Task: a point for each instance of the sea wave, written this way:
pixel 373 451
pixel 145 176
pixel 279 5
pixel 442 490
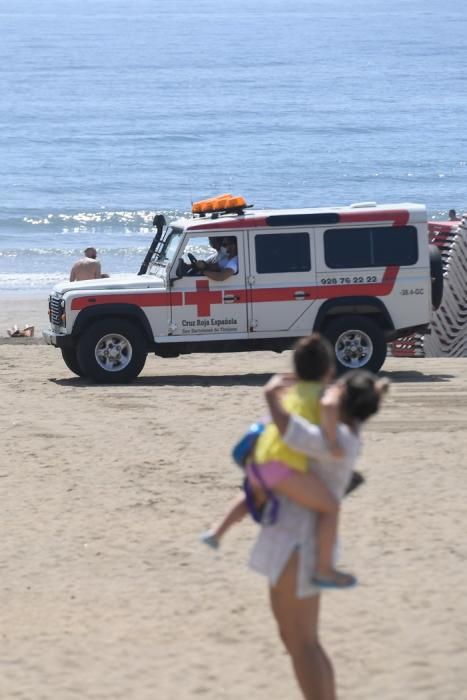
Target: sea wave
pixel 70 252
pixel 22 283
pixel 125 218
pixel 38 229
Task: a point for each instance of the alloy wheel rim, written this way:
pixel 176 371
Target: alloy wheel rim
pixel 113 352
pixel 354 349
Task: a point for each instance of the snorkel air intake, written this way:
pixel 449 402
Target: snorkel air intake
pixel 159 221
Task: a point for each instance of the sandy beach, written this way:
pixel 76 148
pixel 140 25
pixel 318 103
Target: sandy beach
pixel 106 592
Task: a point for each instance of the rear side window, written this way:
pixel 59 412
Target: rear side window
pixel 370 246
pixel 282 252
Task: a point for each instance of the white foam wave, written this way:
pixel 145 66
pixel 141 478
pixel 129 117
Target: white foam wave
pixel 71 252
pixel 22 282
pixel 85 219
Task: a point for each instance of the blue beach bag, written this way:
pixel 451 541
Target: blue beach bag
pixel 244 447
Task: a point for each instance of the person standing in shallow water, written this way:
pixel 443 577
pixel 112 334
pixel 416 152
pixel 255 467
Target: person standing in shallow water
pixel 87 268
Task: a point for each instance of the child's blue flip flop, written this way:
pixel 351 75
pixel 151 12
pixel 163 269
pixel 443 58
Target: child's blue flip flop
pixel 209 539
pixel 340 582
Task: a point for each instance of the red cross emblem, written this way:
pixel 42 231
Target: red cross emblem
pixel 203 298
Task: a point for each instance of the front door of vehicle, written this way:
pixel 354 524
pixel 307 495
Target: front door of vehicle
pixel 281 282
pixel 204 307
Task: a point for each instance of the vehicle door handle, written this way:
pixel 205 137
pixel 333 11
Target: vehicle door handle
pixel 301 295
pixel 231 298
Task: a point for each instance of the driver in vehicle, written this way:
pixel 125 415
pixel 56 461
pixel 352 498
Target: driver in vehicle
pixel 217 242
pixel 214 261
pixel 225 266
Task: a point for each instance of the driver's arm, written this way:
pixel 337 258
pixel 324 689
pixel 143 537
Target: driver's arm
pixel 204 265
pixel 219 276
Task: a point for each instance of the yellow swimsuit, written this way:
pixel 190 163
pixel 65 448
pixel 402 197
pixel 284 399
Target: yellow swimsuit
pixel 302 400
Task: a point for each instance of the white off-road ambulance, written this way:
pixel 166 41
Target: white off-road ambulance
pixel 363 275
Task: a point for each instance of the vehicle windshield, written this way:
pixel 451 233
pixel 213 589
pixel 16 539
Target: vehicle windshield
pixel 168 248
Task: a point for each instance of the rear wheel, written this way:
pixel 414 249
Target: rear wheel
pixel 112 351
pixel 71 361
pixel 358 343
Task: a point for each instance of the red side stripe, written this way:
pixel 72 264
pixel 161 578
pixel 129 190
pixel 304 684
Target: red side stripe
pixel 204 296
pixel 376 289
pixel 398 217
pixel 150 299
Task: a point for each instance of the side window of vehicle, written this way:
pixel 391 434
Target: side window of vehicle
pixel 282 252
pixel 398 246
pixel 199 247
pixel 216 253
pixel 196 248
pixel 377 246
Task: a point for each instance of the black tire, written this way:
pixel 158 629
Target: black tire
pixel 71 361
pixel 112 351
pixel 436 273
pixel 358 343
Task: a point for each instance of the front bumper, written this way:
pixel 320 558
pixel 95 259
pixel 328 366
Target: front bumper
pixel 60 340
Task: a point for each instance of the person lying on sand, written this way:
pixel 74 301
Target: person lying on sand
pixel 15 332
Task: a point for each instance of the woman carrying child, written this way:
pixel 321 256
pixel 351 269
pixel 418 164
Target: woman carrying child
pixel 285 552
pixel 276 467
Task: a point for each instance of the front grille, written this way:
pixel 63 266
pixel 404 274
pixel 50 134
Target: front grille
pixel 56 311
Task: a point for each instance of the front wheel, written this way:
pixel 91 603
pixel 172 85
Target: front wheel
pixel 112 351
pixel 358 343
pixel 71 361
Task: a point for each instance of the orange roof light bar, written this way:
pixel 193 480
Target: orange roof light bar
pixel 237 203
pixel 205 205
pixel 223 202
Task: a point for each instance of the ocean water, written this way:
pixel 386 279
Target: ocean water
pixel 112 110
